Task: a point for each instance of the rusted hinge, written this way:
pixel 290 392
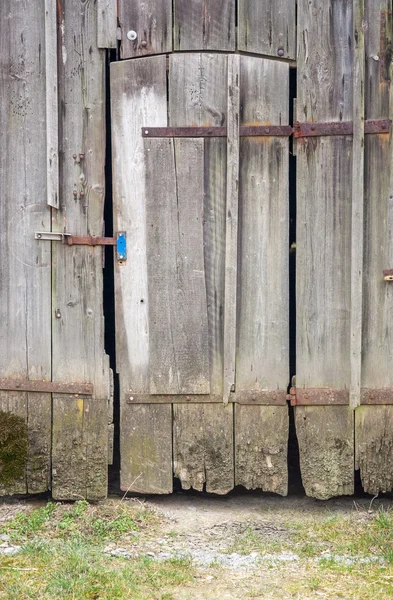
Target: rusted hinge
pixel 299 130
pixel 120 241
pixel 50 387
pixel 318 396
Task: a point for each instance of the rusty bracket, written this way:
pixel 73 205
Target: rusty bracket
pixel 318 397
pixel 339 128
pixel 300 130
pixel 388 275
pixel 197 132
pixel 50 387
pixel 245 397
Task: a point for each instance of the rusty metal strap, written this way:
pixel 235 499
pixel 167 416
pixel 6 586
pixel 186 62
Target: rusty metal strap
pixel 253 397
pixel 340 128
pixel 90 240
pixel 299 130
pixel 50 387
pixel 331 396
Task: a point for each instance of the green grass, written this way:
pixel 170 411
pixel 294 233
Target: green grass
pixel 63 556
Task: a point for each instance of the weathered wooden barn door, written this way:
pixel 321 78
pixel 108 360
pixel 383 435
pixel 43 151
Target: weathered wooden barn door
pixel 54 374
pixel 202 299
pixel 344 244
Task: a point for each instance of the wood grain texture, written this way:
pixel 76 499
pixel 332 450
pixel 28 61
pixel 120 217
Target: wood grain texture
pixel 78 324
pixel 139 96
pixel 261 448
pixel 262 357
pixel 373 423
pixel 204 25
pixel 324 171
pixel 146 460
pixel 203 447
pixel 52 108
pixel 178 325
pixel 198 96
pixel 232 219
pixel 25 266
pixel 357 202
pixel 152 23
pixel 107 23
pixel 267 27
pixel 326 440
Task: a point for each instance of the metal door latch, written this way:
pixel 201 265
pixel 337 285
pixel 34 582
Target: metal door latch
pixel 120 241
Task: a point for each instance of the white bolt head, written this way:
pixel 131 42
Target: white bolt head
pixel 132 35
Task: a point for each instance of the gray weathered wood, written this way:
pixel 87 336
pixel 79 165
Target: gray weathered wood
pixel 107 23
pixel 52 121
pixel 152 23
pixel 138 93
pixel 268 27
pixel 373 433
pixel 25 266
pixel 323 247
pixel 203 447
pixel 204 25
pixel 80 438
pixel 179 351
pixel 261 448
pixel 232 216
pixel 198 96
pixel 263 330
pixel 325 436
pixel 357 202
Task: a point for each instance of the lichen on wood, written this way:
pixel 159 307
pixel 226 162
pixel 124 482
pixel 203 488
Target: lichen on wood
pixel 13 447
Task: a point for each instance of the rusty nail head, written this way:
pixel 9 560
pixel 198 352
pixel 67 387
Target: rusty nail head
pixel 75 193
pixel 74 156
pixel 280 52
pixel 144 44
pixel 267 130
pixel 58 314
pixel 81 156
pixel 82 193
pixel 188 398
pixel 274 397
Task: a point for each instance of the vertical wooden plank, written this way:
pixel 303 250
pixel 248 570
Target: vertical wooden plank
pixel 357 202
pixel 25 265
pixel 80 425
pixel 232 215
pixel 139 98
pixel 374 449
pixel 323 247
pixel 179 352
pixel 52 121
pixel 107 23
pixel 204 25
pixel 146 27
pixel 198 96
pixel 262 357
pixel 268 27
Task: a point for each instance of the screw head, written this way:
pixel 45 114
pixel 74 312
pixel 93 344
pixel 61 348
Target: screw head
pixel 280 52
pixel 132 35
pixel 39 236
pixel 144 44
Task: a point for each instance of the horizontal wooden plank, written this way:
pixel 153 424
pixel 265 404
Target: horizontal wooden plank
pixel 262 397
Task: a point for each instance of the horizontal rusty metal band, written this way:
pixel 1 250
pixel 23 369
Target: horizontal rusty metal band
pixel 318 397
pixel 388 275
pixel 197 132
pixel 50 387
pixel 299 130
pixel 90 240
pixel 376 396
pixel 339 128
pixel 256 397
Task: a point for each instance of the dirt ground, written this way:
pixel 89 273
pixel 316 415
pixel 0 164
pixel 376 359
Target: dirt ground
pixel 259 546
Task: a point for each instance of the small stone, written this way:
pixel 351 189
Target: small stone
pixel 5 545
pixel 209 578
pixel 150 554
pixel 4 537
pixel 10 550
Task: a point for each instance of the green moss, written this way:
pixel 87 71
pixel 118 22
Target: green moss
pixel 13 447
